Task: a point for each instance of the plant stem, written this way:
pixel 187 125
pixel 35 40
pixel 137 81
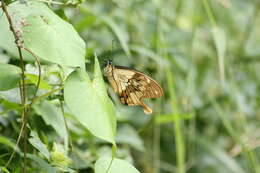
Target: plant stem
pixel 23 89
pixel 177 123
pixel 180 148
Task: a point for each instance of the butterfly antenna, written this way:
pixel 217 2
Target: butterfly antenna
pixel 112 46
pixel 109 62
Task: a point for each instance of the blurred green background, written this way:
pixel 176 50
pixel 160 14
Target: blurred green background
pixel 206 56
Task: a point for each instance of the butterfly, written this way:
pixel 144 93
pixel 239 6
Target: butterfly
pixel 132 85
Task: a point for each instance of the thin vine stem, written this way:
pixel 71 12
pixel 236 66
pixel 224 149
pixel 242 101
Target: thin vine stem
pixel 22 86
pixel 66 125
pixel 24 129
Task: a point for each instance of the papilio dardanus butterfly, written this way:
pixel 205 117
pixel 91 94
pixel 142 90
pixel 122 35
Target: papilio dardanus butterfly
pixel 132 85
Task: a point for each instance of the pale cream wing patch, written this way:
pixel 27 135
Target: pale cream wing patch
pixel 126 91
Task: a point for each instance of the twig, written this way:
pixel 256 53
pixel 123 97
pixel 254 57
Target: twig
pixel 39 75
pixel 45 95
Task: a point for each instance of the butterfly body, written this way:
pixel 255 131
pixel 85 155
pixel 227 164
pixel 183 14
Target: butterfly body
pixel 132 86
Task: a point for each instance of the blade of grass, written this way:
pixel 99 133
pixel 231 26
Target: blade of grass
pixel 180 146
pixel 219 40
pixel 177 123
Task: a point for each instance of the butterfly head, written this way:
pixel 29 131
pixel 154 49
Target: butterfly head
pixel 109 68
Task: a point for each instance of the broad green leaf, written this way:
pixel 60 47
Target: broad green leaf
pixel 7 41
pixel 90 104
pixel 34 79
pixel 47 35
pixel 37 143
pixel 42 163
pixel 107 165
pixel 9 76
pixel 220 43
pixel 52 115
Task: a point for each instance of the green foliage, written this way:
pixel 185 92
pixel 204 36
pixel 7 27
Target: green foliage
pixel 89 103
pixel 34 79
pixel 205 54
pixel 42 163
pixel 110 165
pixel 10 76
pixel 37 143
pixel 41 30
pixel 52 115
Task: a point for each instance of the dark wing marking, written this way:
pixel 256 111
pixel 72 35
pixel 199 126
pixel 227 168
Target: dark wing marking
pixel 128 96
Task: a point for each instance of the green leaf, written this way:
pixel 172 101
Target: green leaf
pixel 220 43
pixel 5 170
pixel 4 140
pixel 104 165
pixel 34 79
pixel 90 104
pixel 52 115
pixel 47 35
pixel 9 76
pixel 7 41
pixel 10 105
pixel 42 163
pixel 37 143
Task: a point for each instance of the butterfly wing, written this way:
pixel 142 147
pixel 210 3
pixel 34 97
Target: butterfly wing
pixel 132 86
